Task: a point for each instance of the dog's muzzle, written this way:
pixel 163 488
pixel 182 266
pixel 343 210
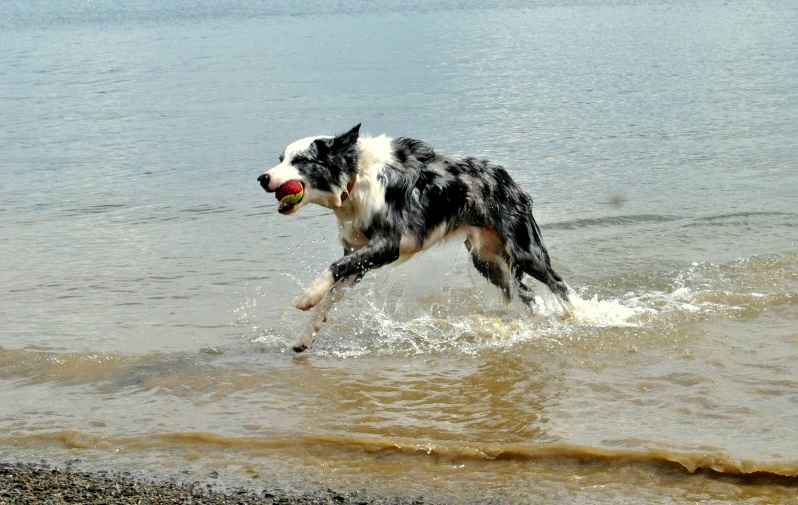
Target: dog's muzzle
pixel 264 182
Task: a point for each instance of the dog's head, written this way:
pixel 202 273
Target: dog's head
pixel 324 166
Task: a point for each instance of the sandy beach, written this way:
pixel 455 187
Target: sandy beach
pixel 32 483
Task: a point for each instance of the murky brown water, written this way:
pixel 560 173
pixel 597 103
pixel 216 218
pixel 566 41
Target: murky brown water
pixel 686 395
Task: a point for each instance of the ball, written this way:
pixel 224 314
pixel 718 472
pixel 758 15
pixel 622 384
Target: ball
pixel 291 192
pixel 293 199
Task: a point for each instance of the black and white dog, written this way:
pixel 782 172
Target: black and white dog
pixel 396 197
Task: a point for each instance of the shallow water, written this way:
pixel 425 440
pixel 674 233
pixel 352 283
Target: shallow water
pixel 148 281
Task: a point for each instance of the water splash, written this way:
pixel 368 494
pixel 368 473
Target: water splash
pixel 402 318
pixel 368 329
pixel 604 313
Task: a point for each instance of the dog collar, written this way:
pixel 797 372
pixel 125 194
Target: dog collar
pixel 349 187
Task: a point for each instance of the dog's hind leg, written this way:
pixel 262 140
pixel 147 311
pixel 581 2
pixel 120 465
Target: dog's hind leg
pixel 522 236
pixel 525 293
pixel 546 275
pixel 487 257
pixel 496 272
pixel 308 335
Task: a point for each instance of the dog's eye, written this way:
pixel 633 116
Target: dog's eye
pixel 282 158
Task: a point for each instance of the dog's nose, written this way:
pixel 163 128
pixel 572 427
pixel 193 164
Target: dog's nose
pixel 264 181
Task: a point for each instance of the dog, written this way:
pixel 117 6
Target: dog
pixel 396 197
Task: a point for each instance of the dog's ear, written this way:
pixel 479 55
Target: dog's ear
pixel 323 147
pixel 348 139
pixel 337 144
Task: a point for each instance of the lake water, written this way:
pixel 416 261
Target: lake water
pixel 147 280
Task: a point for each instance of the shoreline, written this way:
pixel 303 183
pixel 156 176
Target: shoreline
pixel 32 483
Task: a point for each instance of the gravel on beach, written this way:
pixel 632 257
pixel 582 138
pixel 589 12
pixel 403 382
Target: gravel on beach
pixel 23 483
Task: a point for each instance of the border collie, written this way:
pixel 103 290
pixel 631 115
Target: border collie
pixel 396 197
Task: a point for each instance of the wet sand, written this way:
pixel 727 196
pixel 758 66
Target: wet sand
pixel 26 483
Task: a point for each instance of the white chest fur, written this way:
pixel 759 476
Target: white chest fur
pixel 367 198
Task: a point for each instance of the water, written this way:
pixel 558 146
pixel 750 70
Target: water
pixel 148 280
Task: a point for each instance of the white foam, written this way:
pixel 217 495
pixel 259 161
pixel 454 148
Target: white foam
pixel 364 326
pixel 603 313
pixel 465 319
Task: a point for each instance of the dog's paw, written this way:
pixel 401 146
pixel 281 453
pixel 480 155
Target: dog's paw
pixel 316 291
pixel 308 300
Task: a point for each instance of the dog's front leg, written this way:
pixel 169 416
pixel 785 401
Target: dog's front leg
pixel 335 279
pixel 307 337
pixel 316 291
pixel 376 254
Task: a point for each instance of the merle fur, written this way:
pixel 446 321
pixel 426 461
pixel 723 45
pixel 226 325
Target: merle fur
pixel 423 190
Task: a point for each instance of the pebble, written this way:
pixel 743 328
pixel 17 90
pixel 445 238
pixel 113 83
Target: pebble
pixel 29 484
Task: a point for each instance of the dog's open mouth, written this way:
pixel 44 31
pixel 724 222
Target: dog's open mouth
pixel 286 208
pixel 290 195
